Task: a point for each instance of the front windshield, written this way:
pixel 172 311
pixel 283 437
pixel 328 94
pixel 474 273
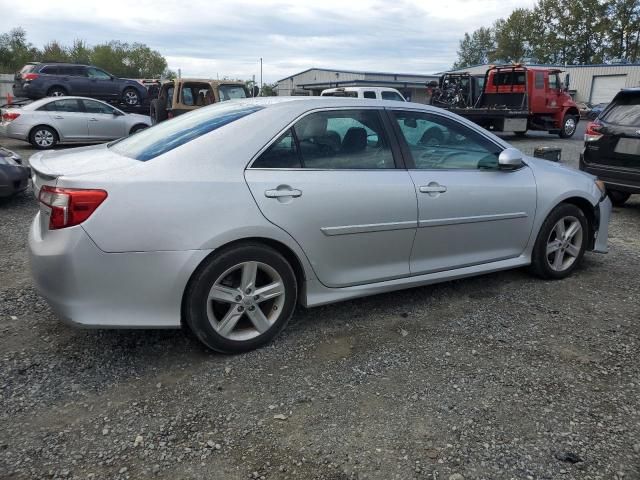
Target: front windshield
pixel 165 136
pixel 229 92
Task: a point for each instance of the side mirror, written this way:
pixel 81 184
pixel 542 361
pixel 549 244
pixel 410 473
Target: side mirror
pixel 510 159
pixel 117 113
pixel 255 91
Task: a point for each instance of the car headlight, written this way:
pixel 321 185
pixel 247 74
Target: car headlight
pixel 8 161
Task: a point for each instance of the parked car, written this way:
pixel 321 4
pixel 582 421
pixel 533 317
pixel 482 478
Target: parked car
pixel 38 80
pixel 612 146
pixel 14 176
pixel 379 93
pixel 246 208
pixel 50 121
pixel 186 94
pixel 596 110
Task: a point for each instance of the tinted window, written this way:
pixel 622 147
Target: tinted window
pixel 66 105
pixel 391 96
pixel 49 70
pixel 539 79
pixel 340 93
pixel 166 136
pixel 369 94
pixel 170 97
pixel 282 154
pixel 440 143
pixel 343 139
pixel 96 107
pixel 97 73
pixel 229 92
pixel 509 78
pixel 624 111
pixel 554 83
pixel 188 96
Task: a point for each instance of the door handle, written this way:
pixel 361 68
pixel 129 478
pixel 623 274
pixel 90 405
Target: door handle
pixel 93 119
pixel 433 189
pixel 282 193
pixel 58 117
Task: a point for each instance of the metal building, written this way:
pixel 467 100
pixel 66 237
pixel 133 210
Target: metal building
pixel 590 83
pixel 314 80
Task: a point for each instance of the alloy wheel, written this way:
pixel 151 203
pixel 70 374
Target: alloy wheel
pixel 570 126
pixel 564 243
pixel 43 138
pixel 245 301
pixel 131 98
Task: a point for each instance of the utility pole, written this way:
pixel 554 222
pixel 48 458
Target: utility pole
pixel 260 77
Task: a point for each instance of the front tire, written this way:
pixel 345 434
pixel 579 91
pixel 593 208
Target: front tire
pixel 561 243
pixel 241 298
pixel 43 137
pixel 131 97
pixel 618 198
pixel 569 126
pixel 137 128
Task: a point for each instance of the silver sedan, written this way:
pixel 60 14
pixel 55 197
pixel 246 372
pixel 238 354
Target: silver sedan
pixel 53 120
pixel 226 218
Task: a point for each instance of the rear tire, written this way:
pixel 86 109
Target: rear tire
pixel 157 111
pixel 56 92
pixel 617 197
pixel 137 128
pixel 241 298
pixel 521 134
pixel 561 243
pixel 569 126
pixel 43 137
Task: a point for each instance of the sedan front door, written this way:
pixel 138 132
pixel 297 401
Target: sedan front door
pixel 470 211
pixel 331 181
pixel 105 122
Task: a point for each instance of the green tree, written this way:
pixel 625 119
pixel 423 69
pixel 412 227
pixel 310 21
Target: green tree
pixel 513 36
pixel 15 50
pixel 54 52
pixel 624 29
pixel 79 52
pixel 475 49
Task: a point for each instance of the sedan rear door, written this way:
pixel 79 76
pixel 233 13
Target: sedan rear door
pixel 470 212
pixel 67 116
pixel 332 182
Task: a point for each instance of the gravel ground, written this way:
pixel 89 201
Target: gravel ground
pixel 497 377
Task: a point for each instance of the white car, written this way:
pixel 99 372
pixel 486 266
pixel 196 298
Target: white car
pixel 376 93
pixel 53 120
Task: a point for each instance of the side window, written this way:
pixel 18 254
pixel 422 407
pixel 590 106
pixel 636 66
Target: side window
pixel 96 107
pixel 554 83
pixel 170 97
pixel 67 105
pixel 187 96
pixel 97 73
pixel 343 139
pixel 438 143
pixel 281 154
pixel 539 80
pixel 370 95
pixel 78 71
pixel 50 70
pixel 392 96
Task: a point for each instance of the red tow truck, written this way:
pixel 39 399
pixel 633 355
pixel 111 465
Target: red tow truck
pixel 516 98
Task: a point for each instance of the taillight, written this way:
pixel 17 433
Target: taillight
pixel 9 116
pixel 70 206
pixel 592 133
pixel 30 76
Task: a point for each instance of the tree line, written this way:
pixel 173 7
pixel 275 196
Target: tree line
pixel 129 60
pixel 572 32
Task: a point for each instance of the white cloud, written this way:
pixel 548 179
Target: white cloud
pixel 226 38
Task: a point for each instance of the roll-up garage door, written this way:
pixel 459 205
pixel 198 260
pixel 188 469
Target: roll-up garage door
pixel 604 87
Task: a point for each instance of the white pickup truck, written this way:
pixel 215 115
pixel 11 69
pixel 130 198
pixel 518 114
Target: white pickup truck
pixel 380 93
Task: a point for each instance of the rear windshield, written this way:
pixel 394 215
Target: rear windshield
pixel 625 111
pixel 509 78
pixel 27 69
pixel 166 136
pixel 340 94
pixel 229 92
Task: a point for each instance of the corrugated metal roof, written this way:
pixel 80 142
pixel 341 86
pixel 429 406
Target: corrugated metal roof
pixel 357 72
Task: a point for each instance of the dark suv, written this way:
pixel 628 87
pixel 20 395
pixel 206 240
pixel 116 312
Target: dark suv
pixel 612 146
pixel 37 80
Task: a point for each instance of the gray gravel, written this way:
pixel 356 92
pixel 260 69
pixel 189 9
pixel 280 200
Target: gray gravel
pixel 498 377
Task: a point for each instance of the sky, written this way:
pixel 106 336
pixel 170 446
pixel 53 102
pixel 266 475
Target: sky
pixel 224 38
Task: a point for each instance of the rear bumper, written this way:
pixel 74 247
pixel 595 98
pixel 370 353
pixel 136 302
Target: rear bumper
pixel 615 178
pixel 602 234
pixel 29 90
pixel 14 130
pixel 88 287
pixel 13 179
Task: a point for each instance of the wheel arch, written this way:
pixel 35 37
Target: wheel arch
pixel 289 255
pixel 44 125
pixel 589 212
pixel 573 111
pixel 144 125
